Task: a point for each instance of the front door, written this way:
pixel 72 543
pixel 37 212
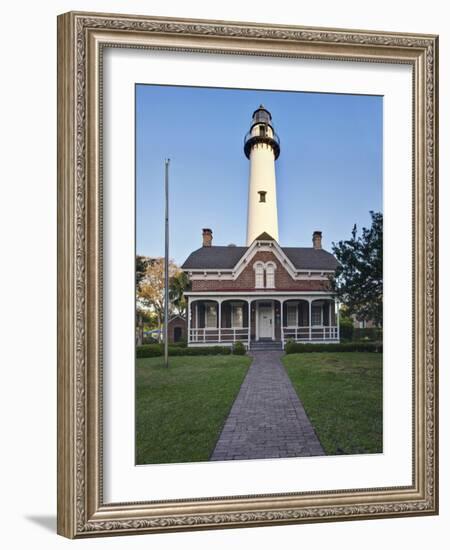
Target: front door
pixel 265 328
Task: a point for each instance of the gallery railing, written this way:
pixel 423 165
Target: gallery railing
pixel 216 335
pixel 310 334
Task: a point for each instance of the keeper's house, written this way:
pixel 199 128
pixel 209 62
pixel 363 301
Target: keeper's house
pixel 262 294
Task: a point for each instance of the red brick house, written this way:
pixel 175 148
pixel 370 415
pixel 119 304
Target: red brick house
pixel 262 294
pixel 259 293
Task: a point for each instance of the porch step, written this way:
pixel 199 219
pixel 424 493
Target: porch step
pixel 266 345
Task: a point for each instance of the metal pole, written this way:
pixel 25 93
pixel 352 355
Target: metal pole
pixel 166 269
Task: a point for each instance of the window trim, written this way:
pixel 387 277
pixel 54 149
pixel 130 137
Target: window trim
pixel 273 267
pixel 259 272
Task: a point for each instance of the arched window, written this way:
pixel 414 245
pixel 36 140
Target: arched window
pixel 259 275
pixel 270 275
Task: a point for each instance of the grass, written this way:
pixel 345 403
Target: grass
pixel 180 411
pixel 343 396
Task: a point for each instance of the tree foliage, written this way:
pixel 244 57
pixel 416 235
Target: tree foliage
pixel 142 262
pixel 358 280
pixel 150 287
pixel 177 286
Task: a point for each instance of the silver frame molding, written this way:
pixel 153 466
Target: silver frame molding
pixel 81 38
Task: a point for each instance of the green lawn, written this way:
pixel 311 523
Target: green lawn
pixel 343 396
pixel 180 411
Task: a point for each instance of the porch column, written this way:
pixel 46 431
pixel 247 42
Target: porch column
pixel 337 319
pixel 282 300
pixel 188 321
pixel 219 317
pixel 249 322
pixel 309 319
pixel 196 320
pixel 329 319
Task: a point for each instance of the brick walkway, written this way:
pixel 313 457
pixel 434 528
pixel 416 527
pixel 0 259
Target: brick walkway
pixel 267 419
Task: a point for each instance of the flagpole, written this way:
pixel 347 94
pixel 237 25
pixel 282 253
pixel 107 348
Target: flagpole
pixel 166 268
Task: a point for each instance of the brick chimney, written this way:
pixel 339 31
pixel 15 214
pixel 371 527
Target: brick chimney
pixel 207 237
pixel 317 240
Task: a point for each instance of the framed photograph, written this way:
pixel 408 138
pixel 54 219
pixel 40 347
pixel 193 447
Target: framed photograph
pixel 247 276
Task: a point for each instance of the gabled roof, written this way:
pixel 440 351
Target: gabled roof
pixel 310 258
pixel 226 257
pixel 264 237
pixel 214 257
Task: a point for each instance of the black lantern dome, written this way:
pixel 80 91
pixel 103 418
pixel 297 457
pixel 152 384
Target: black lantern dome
pixel 261 131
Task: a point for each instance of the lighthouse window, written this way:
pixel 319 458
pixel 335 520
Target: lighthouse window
pixel 262 131
pixel 262 196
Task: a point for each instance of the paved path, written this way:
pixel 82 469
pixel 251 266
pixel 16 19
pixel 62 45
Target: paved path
pixel 267 419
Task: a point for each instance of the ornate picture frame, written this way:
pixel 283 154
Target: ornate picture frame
pixel 82 38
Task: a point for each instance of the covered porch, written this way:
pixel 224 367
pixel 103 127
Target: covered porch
pixel 224 320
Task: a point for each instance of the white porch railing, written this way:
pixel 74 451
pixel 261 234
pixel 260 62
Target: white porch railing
pixel 218 336
pixel 310 334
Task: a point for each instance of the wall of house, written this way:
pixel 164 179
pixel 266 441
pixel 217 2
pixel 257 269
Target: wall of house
pixel 246 280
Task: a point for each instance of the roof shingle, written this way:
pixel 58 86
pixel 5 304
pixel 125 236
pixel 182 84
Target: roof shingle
pixel 226 257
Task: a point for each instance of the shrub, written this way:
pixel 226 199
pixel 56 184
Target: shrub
pixel 149 350
pixel 239 348
pixel 372 334
pixel 331 348
pixel 346 329
pixel 146 340
pixel 180 344
pixel 157 350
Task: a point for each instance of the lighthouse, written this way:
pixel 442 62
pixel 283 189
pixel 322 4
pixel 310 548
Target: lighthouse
pixel 262 148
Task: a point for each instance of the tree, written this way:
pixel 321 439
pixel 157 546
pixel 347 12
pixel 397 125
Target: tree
pixel 358 280
pixel 142 262
pixel 150 290
pixel 177 286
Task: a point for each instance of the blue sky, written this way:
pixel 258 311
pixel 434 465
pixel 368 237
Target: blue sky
pixel 329 172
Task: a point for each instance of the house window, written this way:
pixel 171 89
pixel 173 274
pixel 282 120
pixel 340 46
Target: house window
pixel 262 196
pixel 259 276
pixel 237 318
pixel 292 315
pixel 316 315
pixel 211 316
pixel 270 276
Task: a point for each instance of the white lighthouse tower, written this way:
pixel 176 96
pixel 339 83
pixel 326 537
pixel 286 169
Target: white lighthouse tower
pixel 262 148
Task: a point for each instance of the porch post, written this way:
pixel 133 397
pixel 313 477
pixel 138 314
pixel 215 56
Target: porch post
pixel 281 322
pixel 329 319
pixel 249 322
pixel 309 319
pixel 196 321
pixel 188 321
pixel 337 319
pixel 219 305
